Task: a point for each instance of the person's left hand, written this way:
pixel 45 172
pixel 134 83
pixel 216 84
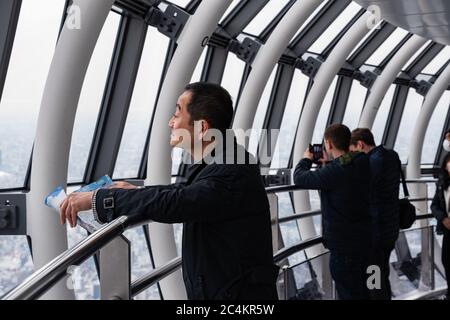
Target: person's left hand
pixel 446 223
pixel 308 154
pixel 122 185
pixel 74 203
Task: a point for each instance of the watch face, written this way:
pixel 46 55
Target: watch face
pixel 108 203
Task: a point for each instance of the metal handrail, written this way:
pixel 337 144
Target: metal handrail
pixel 301 215
pixel 313 213
pixel 42 280
pixel 303 245
pixel 293 187
pixel 281 189
pixel 155 276
pixel 421 180
pixel 160 273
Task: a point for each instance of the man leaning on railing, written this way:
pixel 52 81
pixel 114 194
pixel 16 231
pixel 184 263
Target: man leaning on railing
pixel 227 241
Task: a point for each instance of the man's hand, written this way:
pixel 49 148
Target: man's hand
pixel 308 154
pixel 446 223
pixel 325 158
pixel 74 203
pixel 122 185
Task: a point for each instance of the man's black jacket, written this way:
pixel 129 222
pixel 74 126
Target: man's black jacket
pixel 345 191
pixel 227 241
pixel 438 207
pixel 385 181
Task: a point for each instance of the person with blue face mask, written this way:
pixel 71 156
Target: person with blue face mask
pixel 446 143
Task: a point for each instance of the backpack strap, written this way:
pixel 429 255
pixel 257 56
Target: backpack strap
pixel 405 188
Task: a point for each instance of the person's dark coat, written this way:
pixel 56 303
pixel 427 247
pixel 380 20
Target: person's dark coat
pixel 385 169
pixel 227 241
pixel 438 207
pixel 344 184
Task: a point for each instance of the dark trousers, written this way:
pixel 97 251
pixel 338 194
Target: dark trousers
pixel 349 274
pixel 380 257
pixel 446 258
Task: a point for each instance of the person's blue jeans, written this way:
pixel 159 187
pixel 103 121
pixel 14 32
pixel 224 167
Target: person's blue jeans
pixel 349 274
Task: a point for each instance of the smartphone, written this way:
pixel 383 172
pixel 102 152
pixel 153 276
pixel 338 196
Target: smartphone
pixel 317 151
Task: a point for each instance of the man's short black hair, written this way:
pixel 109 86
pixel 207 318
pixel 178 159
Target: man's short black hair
pixel 364 135
pixel 212 103
pixel 339 135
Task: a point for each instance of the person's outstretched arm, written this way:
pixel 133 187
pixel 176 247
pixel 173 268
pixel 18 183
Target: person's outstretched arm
pixel 320 179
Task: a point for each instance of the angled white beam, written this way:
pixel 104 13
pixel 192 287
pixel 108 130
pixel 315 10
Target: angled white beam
pixel 387 77
pixel 190 45
pixel 423 120
pixel 267 58
pixel 54 132
pixel 322 82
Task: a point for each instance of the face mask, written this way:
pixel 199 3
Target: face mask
pixel 446 145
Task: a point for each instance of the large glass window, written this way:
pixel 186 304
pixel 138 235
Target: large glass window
pixel 363 40
pixel 382 115
pixel 416 54
pixel 260 115
pixel 355 105
pixel 140 254
pixel 310 18
pixel 386 48
pixel 324 113
pixel 434 131
pixel 15 262
pixel 335 28
pixel 410 113
pixel 289 230
pixel 232 76
pixel 438 61
pixel 265 16
pixel 91 98
pixel 294 105
pixel 228 11
pixel 32 53
pixel 196 76
pixel 142 105
pixel 181 3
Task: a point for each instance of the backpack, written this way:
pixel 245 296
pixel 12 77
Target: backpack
pixel 407 211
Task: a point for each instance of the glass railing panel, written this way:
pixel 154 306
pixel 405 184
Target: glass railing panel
pixel 303 282
pixel 412 265
pixel 140 254
pixel 151 293
pixel 84 281
pixel 15 262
